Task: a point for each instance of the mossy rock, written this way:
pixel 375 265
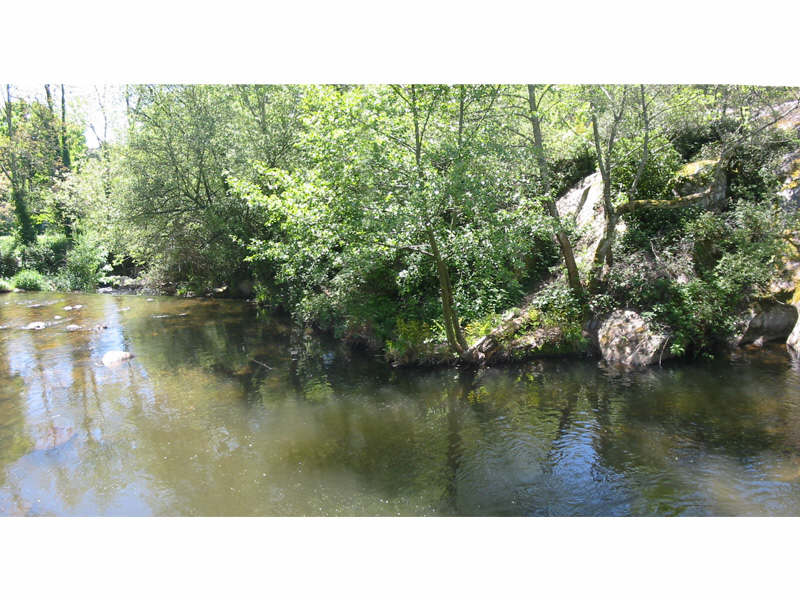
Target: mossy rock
pixel 695 176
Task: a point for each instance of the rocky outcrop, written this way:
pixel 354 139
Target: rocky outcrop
pixel 624 338
pixel 701 183
pixel 583 204
pixel 698 184
pixel 767 322
pixel 793 341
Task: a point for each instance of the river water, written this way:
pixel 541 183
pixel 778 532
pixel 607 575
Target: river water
pixel 226 412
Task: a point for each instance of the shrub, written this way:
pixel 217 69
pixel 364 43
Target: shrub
pixel 690 138
pixel 5 285
pixel 47 254
pixel 699 283
pixel 9 256
pixel 30 280
pixel 83 266
pixel 753 170
pixel 662 163
pixel 480 327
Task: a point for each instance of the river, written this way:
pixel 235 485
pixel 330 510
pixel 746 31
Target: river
pixel 223 411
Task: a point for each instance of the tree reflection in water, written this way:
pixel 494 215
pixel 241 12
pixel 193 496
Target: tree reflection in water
pixel 225 413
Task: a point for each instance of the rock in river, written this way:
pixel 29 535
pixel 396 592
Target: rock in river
pixel 116 357
pixel 626 339
pixel 36 325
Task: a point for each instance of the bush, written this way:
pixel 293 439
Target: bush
pixel 5 285
pixel 699 283
pixel 662 163
pixel 83 266
pixel 754 168
pixel 30 280
pixel 9 256
pixel 47 254
pixel 690 138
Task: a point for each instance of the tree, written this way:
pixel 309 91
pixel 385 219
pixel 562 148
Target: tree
pixel 12 167
pixel 534 116
pixel 401 180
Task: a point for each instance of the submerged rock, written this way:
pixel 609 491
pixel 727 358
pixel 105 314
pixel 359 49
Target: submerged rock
pixel 625 338
pixel 36 325
pixel 76 307
pixel 73 328
pixel 53 437
pixel 116 357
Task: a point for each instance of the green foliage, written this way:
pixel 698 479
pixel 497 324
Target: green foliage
pixel 698 280
pixel 753 169
pixel 46 255
pixel 666 224
pixel 5 285
pixel 568 171
pixel 83 266
pixel 690 137
pixel 9 256
pixel 30 280
pixel 557 304
pixel 481 327
pixel 662 162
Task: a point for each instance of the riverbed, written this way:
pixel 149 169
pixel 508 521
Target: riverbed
pixel 224 411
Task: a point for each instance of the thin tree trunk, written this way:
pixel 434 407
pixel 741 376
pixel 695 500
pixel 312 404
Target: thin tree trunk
pixel 64 144
pixel 455 337
pixel 561 236
pixel 603 254
pixel 27 231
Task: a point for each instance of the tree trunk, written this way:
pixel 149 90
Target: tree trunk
pixel 27 231
pixel 603 254
pixel 455 337
pixel 561 236
pixel 64 144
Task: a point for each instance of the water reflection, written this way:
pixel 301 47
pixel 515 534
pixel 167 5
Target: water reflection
pixel 222 412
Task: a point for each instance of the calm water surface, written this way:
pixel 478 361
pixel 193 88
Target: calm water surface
pixel 223 412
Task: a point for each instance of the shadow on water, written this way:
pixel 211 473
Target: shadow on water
pixel 223 412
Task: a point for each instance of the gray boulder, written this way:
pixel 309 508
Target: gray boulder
pixel 793 341
pixel 767 322
pixel 624 338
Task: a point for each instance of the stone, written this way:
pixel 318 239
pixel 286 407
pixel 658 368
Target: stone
pixel 767 321
pixel 73 327
pixel 625 338
pixel 115 357
pixel 701 183
pixel 36 325
pixel 793 341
